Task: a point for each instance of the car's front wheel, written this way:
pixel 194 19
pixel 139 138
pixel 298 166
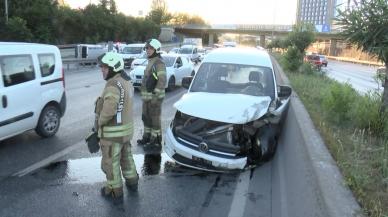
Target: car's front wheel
pixel 49 121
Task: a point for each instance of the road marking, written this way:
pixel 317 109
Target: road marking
pixel 237 207
pixel 48 160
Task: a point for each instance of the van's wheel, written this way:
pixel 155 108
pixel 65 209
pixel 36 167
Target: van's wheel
pixel 193 73
pixel 49 121
pixel 171 83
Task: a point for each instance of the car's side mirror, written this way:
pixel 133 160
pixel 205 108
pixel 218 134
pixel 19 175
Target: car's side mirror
pixel 284 91
pixel 186 81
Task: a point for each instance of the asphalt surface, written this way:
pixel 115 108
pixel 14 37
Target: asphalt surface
pixel 59 177
pixel 361 77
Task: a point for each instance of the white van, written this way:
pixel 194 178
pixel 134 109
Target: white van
pixel 89 52
pixel 32 89
pixel 191 52
pixel 130 52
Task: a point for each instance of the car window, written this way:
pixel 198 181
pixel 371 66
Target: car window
pixel 16 69
pixel 233 78
pixel 46 64
pixel 168 60
pixel 185 50
pixel 132 50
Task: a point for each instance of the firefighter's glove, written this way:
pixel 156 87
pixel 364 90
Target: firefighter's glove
pixel 93 141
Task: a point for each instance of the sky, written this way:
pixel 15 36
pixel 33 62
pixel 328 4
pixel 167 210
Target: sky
pixel 215 11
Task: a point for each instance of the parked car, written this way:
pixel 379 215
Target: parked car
pixel 174 50
pixel 139 61
pixel 177 67
pixel 191 52
pixel 232 115
pixel 323 60
pixel 130 52
pixel 315 60
pixel 32 89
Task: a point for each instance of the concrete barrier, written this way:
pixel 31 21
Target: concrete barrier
pixel 310 183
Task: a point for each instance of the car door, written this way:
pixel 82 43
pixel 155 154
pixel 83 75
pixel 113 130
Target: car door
pixel 19 94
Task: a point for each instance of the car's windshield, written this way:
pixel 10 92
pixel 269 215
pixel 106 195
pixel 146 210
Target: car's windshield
pixel 168 60
pixel 234 78
pixel 132 50
pixel 185 50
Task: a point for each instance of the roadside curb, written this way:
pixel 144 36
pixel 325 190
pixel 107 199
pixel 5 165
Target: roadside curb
pixel 337 198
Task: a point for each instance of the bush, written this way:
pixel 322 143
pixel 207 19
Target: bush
pixel 367 114
pixel 307 68
pixel 292 59
pixel 338 102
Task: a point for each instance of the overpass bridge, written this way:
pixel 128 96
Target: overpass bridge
pixel 262 31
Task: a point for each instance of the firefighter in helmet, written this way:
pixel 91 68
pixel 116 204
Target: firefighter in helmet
pixel 114 122
pixel 152 93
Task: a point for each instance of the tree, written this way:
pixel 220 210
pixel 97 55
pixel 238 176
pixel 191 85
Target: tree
pixel 301 37
pixel 159 13
pixel 366 25
pixel 15 30
pixel 183 18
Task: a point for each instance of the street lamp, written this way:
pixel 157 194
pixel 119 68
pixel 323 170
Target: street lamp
pixel 6 11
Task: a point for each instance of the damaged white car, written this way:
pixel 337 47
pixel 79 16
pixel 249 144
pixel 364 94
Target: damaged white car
pixel 232 115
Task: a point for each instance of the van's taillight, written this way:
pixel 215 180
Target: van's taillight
pixel 63 77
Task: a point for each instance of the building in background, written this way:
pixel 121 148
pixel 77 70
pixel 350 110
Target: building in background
pixel 317 12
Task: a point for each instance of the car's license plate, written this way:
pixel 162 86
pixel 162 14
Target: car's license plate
pixel 201 160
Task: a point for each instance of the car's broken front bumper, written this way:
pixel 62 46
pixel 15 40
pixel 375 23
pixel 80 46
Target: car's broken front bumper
pixel 188 156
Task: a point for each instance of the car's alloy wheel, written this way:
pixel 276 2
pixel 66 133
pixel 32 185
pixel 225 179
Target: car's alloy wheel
pixel 49 121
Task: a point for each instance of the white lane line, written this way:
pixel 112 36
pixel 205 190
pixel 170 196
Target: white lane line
pixel 48 160
pixel 237 207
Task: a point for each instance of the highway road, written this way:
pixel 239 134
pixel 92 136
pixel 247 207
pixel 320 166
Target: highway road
pixel 361 77
pixel 59 177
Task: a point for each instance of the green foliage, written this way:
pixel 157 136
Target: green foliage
pixel 339 101
pixel 15 30
pixel 365 25
pixel 307 68
pixel 366 114
pixel 159 13
pixel 292 59
pixel 302 36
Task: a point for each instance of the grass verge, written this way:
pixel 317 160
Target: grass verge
pixel 354 131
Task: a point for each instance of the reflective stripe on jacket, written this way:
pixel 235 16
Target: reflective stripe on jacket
pixel 114 110
pixel 157 69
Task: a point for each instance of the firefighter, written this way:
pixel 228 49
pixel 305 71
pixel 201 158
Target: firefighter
pixel 152 93
pixel 114 122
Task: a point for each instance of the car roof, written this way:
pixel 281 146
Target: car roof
pixel 245 56
pixel 23 47
pixel 134 45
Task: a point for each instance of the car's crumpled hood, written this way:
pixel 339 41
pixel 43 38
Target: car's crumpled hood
pixel 228 108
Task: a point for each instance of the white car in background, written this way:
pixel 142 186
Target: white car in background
pixel 131 52
pixel 142 60
pixel 177 67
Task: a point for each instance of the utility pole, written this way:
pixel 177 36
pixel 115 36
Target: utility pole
pixel 6 11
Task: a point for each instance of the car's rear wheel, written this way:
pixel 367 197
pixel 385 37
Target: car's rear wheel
pixel 171 83
pixel 49 121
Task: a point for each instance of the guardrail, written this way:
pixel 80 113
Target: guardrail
pixel 76 64
pixel 351 60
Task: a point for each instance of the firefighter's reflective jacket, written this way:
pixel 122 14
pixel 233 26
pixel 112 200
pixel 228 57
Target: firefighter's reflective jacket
pixel 114 118
pixel 154 80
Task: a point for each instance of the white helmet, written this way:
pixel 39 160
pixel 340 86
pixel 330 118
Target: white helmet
pixel 155 44
pixel 112 60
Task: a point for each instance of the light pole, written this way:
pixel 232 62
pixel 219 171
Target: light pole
pixel 6 11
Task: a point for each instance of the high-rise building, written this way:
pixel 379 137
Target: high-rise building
pixel 317 12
